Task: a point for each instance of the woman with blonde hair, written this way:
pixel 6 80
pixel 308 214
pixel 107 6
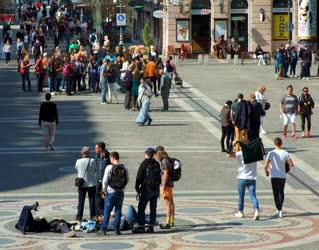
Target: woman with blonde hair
pixel 263 100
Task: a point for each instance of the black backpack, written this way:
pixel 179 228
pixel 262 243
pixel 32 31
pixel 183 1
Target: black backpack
pixel 153 176
pixel 118 178
pixel 176 169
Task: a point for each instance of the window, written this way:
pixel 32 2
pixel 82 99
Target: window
pixel 281 4
pixel 239 4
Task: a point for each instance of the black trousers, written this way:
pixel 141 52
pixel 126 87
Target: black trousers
pixel 128 99
pixel 278 187
pixel 227 132
pixel 68 85
pixel 81 200
pixel 99 201
pixel 303 122
pixel 40 78
pixel 153 80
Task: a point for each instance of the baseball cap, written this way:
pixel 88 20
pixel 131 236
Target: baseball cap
pixel 159 148
pixel 150 151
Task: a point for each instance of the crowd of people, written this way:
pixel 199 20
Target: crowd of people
pixel 104 178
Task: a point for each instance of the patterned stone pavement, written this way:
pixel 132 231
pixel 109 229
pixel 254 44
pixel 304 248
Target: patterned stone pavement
pixel 205 222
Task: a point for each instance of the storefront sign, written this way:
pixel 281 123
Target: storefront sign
pixel 201 12
pixel 307 19
pixel 280 26
pixel 182 30
pixel 159 14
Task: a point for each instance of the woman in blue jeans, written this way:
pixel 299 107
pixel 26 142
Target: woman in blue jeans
pixel 247 175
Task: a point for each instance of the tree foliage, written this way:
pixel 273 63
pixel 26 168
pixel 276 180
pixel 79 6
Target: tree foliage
pixel 147 34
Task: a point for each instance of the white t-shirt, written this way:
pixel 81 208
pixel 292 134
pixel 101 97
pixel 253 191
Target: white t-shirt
pixel 246 171
pixel 278 159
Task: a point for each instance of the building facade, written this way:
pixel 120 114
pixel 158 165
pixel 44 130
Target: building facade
pixel 251 22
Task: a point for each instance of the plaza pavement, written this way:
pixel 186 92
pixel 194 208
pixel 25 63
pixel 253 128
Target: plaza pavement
pixel 206 198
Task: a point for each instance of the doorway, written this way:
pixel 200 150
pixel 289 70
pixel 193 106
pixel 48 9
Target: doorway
pixel 201 33
pixel 239 30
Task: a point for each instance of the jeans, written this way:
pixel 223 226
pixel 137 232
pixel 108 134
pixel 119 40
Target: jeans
pixel 104 89
pixel 293 66
pixel 144 116
pixel 26 221
pixel 81 199
pixel 40 78
pixel 8 57
pixel 306 69
pixel 151 197
pixel 303 122
pixel 26 77
pixel 113 200
pixel 63 82
pixel 251 185
pixel 52 80
pixel 278 187
pixel 58 82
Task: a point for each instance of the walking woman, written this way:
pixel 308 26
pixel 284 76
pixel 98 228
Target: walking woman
pixel 275 167
pixel 86 168
pixel 144 99
pixel 7 51
pixel 24 70
pixel 306 106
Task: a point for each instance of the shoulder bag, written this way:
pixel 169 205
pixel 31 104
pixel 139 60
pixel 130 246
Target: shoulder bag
pixel 79 182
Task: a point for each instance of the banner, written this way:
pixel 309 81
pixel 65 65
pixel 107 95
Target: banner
pixel 307 19
pixel 281 22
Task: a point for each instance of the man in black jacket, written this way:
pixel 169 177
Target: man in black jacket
pixel 48 120
pixel 256 111
pixel 147 184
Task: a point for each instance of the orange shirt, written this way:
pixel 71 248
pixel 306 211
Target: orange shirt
pixel 151 69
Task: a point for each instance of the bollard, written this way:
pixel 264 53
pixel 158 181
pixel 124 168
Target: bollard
pixel 176 60
pixel 228 58
pixel 314 58
pixel 235 59
pixel 206 58
pixel 200 59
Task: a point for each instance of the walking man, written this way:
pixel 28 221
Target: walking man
pixel 114 182
pixel 48 120
pixel 147 185
pixel 275 167
pixel 289 107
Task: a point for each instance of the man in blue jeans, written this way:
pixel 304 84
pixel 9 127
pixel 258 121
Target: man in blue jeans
pixel 247 175
pixel 104 73
pixel 114 182
pixel 147 184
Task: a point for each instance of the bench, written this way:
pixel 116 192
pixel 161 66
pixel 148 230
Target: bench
pixel 250 55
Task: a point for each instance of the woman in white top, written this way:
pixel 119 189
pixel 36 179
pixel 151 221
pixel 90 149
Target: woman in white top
pixel 7 51
pixel 86 168
pixel 143 100
pixel 262 99
pixel 275 167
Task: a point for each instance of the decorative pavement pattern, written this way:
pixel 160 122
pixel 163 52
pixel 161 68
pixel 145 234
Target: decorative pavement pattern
pixel 200 223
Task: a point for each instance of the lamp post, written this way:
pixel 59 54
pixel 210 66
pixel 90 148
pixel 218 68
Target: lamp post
pixel 120 6
pixel 289 23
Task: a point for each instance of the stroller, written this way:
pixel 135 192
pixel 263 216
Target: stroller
pixel 178 81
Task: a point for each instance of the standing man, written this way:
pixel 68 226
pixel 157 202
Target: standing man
pixel 165 88
pixel 150 70
pixel 104 79
pixel 263 100
pixel 114 182
pixel 255 114
pixel 48 120
pixel 147 185
pixel 275 167
pixel 227 127
pixel 289 107
pixel 102 160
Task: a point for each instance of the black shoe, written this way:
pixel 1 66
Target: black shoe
pixel 224 150
pixel 138 230
pixel 150 230
pixel 165 226
pixel 100 233
pixel 149 122
pixel 118 233
pixel 51 147
pixel 35 206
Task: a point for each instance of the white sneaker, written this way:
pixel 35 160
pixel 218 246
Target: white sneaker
pixel 239 215
pixel 276 75
pixel 307 78
pixel 256 215
pixel 280 214
pixel 52 93
pixel 304 78
pixel 103 103
pixel 263 132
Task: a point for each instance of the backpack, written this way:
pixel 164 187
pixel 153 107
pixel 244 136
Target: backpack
pixel 176 171
pixel 68 69
pixel 153 176
pixel 169 68
pixel 253 151
pixel 118 178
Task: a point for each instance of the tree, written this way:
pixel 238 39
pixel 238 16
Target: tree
pixel 97 14
pixel 147 34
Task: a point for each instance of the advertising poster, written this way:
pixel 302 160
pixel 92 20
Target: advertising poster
pixel 182 30
pixel 281 26
pixel 307 19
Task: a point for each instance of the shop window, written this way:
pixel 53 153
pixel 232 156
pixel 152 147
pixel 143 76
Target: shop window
pixel 201 4
pixel 239 4
pixel 281 4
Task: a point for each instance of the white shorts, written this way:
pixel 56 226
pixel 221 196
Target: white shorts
pixel 289 118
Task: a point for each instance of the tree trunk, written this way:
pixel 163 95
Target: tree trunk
pixel 97 16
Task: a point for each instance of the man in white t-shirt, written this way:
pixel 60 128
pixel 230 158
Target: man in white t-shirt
pixel 247 175
pixel 275 167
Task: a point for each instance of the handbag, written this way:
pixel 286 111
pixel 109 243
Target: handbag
pixel 287 167
pixel 267 106
pixel 79 182
pixel 253 151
